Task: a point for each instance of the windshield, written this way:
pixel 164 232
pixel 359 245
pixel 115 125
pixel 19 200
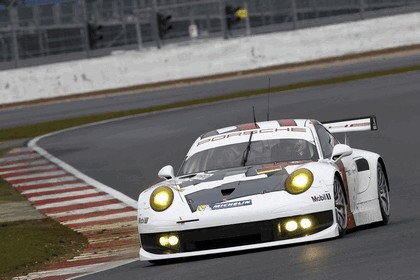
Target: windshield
pixel 260 152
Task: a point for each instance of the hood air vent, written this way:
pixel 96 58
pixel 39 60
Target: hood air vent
pixel 227 192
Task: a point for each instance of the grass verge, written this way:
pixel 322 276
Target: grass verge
pixel 34 130
pixel 8 194
pixel 28 246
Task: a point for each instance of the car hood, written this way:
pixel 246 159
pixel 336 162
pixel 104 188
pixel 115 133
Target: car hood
pixel 213 188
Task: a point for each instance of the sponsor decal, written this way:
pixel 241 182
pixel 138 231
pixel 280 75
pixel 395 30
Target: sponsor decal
pixel 143 220
pixel 226 205
pixel 201 207
pixel 244 133
pixel 321 197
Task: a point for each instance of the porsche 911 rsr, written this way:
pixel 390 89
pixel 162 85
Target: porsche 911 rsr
pixel 263 184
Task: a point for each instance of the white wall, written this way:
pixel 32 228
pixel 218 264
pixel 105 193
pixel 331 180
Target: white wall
pixel 207 57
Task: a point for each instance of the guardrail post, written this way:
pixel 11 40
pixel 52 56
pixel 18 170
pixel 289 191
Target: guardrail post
pixel 247 22
pixel 223 18
pixel 294 13
pixel 84 28
pixel 155 24
pixel 14 24
pixel 38 30
pixel 362 9
pixel 138 25
pixel 138 32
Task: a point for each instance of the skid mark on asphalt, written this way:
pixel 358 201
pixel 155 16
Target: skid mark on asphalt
pixel 109 224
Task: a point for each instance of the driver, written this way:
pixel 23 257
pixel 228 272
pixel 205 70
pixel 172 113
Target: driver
pixel 300 149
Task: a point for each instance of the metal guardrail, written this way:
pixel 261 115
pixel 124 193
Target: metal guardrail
pixel 39 34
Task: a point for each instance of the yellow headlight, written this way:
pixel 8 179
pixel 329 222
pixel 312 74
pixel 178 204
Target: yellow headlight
pixel 161 198
pixel 299 181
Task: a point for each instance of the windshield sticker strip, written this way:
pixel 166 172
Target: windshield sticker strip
pixel 244 133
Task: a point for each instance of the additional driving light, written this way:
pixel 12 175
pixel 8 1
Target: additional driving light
pixel 299 181
pixel 173 240
pixel 161 198
pixel 305 223
pixel 164 241
pixel 291 226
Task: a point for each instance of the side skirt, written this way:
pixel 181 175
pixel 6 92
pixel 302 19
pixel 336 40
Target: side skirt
pixel 367 212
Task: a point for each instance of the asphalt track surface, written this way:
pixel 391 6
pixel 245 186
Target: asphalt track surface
pixel 40 113
pixel 127 155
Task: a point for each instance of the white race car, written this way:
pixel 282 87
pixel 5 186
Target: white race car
pixel 263 184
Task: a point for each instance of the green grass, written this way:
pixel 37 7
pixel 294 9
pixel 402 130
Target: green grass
pixel 27 246
pixel 29 131
pixel 8 194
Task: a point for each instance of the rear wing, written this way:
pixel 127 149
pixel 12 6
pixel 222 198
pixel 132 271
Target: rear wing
pixel 351 125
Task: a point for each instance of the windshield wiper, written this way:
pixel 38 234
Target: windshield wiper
pixel 246 152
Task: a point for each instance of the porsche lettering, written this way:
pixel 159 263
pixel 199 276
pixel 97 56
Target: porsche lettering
pixel 248 132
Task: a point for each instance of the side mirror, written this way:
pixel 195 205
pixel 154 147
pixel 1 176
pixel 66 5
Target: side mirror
pixel 167 172
pixel 340 151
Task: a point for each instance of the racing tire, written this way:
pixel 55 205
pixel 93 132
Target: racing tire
pixel 340 207
pixel 383 195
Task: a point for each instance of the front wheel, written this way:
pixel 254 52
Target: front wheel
pixel 340 207
pixel 383 195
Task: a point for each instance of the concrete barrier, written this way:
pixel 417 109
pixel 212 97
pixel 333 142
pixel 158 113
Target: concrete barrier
pixel 207 57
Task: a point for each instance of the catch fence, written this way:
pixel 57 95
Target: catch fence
pixel 68 30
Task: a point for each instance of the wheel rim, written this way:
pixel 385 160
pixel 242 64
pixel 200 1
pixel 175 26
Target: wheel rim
pixel 383 192
pixel 340 205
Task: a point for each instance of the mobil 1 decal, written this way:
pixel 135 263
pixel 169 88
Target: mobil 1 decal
pixel 321 197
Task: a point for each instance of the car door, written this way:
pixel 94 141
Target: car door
pixel 346 165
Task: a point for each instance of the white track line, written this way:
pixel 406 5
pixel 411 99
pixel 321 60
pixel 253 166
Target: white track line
pixel 18 158
pixel 28 169
pixel 119 195
pixel 46 181
pixel 20 150
pixel 75 202
pixel 102 254
pixel 85 269
pixel 112 238
pixel 22 164
pixel 121 225
pixel 102 218
pixel 127 201
pixel 56 188
pixel 115 206
pixel 36 175
pixel 62 195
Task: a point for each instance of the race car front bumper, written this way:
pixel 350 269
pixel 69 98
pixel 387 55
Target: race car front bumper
pixel 241 236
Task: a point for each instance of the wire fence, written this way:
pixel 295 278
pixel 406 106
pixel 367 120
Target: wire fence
pixel 67 30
